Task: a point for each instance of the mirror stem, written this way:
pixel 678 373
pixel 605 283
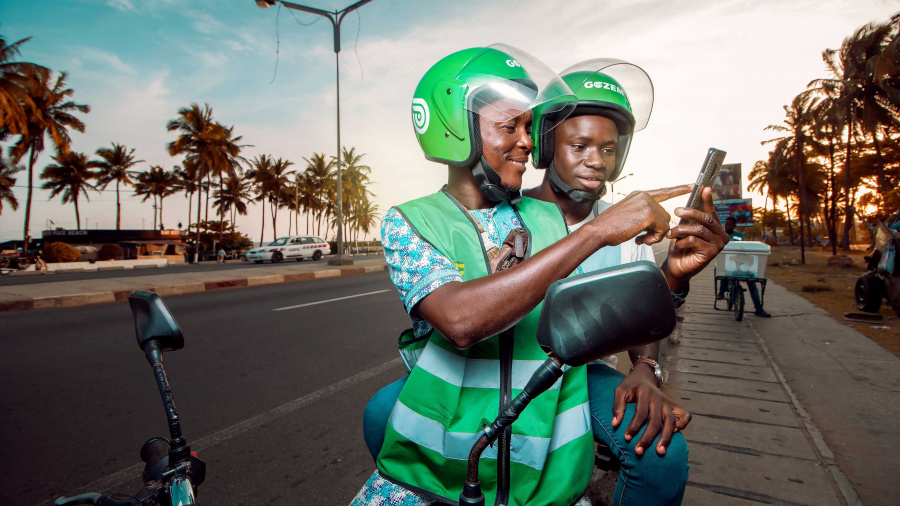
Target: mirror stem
pixel 545 377
pixel 180 451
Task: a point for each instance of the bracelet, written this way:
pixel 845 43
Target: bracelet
pixel 679 296
pixel 652 363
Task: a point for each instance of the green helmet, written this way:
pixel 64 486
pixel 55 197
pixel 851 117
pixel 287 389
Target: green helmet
pixel 611 88
pixel 465 84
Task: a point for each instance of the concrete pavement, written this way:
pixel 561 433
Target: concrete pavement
pixel 793 409
pixel 169 281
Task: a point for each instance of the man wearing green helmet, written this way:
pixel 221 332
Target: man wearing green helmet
pixel 471 111
pixel 580 153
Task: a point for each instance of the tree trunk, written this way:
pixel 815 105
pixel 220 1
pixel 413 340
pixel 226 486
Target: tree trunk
pixel 801 209
pixel 118 208
pixel 32 158
pixel 190 197
pixel 77 216
pixel 274 211
pixel 832 227
pixel 197 242
pixel 161 223
pixel 882 188
pixel 848 212
pixel 262 233
pixel 790 223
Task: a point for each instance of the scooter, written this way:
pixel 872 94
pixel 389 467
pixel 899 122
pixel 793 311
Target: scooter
pixel 172 473
pixel 584 318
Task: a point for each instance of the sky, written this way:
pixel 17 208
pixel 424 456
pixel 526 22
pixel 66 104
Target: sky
pixel 722 71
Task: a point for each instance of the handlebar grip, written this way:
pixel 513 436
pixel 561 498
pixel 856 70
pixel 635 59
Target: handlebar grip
pixel 78 499
pixel 118 500
pixel 98 500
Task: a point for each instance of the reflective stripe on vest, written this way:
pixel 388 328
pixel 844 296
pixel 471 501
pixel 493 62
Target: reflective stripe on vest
pixel 527 450
pixel 476 373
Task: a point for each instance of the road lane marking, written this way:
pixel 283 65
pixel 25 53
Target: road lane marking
pixel 130 474
pixel 329 300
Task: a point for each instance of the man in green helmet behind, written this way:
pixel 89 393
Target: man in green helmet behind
pixel 581 152
pixel 471 111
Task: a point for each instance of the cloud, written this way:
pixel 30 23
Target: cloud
pixel 122 5
pixel 105 57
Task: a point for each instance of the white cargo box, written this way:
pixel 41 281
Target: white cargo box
pixel 746 259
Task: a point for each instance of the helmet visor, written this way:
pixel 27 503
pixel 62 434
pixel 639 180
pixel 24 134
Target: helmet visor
pixel 503 82
pixel 634 82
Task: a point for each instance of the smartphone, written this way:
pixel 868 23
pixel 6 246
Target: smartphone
pixel 706 178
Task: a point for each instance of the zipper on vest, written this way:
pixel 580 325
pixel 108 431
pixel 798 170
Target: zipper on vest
pixel 503 445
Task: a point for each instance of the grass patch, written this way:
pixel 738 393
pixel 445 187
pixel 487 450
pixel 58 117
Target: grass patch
pixel 831 288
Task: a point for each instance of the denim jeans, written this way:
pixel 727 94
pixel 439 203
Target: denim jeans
pixel 751 287
pixel 649 479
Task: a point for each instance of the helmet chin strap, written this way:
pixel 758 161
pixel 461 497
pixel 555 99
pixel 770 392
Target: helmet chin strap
pixel 490 183
pixel 579 196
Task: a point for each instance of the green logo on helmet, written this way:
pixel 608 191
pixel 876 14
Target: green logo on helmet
pixel 420 115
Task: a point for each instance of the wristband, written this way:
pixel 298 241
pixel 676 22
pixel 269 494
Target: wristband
pixel 679 296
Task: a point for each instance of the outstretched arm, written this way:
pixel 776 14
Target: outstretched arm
pixel 469 312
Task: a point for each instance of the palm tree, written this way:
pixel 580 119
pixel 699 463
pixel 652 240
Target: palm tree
pixel 321 183
pixel 278 180
pixel 259 174
pixel 864 88
pixel 7 182
pixel 797 125
pixel 115 165
pixel 233 197
pixel 207 146
pixel 354 180
pixel 49 110
pixel 70 176
pixel 13 90
pixel 159 184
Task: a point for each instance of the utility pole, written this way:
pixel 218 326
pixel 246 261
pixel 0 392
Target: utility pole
pixel 336 18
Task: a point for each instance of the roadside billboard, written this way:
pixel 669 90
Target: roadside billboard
pixel 741 209
pixel 728 183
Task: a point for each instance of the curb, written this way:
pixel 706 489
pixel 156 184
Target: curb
pixel 82 299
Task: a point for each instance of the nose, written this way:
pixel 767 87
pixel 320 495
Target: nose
pixel 524 140
pixel 594 161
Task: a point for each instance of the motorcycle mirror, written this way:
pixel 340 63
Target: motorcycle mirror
pixel 154 322
pixel 600 313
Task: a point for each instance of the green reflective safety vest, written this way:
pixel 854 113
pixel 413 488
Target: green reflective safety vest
pixel 452 395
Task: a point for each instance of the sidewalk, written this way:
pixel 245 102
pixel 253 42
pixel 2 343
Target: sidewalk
pixel 170 281
pixel 794 409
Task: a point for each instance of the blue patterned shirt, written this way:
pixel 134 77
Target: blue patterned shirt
pixel 417 268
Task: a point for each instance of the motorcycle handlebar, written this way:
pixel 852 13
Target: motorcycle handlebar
pixel 98 500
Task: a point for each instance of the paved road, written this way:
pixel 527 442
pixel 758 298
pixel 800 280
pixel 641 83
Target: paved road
pixel 127 273
pixel 79 398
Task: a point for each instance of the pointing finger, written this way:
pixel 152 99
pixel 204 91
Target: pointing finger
pixel 664 194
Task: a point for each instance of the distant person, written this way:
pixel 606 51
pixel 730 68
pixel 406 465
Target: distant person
pixel 730 223
pixel 220 256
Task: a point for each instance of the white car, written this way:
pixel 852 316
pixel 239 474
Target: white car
pixel 292 247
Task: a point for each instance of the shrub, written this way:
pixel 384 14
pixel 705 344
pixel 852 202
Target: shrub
pixel 56 252
pixel 110 252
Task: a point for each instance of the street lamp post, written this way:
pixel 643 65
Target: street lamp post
pixel 336 18
pixel 612 189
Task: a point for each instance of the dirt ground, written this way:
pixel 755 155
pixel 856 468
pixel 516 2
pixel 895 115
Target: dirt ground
pixel 831 288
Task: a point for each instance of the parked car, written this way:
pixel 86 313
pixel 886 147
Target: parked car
pixel 292 247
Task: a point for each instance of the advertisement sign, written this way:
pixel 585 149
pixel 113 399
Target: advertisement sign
pixel 740 209
pixel 728 183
